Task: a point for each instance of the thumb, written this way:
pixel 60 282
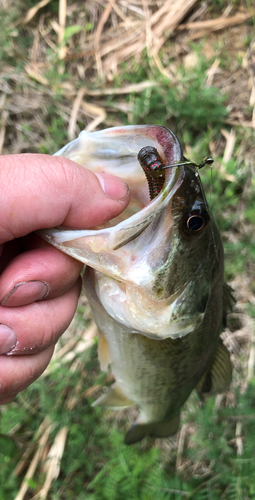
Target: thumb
pixel 41 191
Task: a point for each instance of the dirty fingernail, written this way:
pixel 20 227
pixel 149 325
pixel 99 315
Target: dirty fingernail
pixel 25 292
pixel 8 339
pixel 113 187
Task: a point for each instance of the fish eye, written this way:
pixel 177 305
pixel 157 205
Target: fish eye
pixel 195 223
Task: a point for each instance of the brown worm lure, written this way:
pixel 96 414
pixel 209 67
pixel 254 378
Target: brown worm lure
pixel 153 168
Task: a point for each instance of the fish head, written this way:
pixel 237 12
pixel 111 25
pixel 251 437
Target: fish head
pixel 155 265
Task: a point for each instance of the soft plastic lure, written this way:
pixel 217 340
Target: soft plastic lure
pixel 153 168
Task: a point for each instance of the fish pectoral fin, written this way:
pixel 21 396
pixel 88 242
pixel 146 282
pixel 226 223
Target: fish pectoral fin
pixel 218 378
pixel 114 399
pixel 103 352
pixel 140 430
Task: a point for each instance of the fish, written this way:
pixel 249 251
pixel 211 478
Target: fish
pixel 154 278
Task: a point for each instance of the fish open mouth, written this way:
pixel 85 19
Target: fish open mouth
pixel 115 151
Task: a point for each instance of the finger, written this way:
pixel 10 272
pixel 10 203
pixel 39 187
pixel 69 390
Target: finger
pixel 40 191
pixel 17 373
pixel 37 325
pixel 37 274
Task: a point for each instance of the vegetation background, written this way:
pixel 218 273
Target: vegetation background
pixel 188 65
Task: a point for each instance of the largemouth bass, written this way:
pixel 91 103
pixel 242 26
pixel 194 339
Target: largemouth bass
pixel 154 279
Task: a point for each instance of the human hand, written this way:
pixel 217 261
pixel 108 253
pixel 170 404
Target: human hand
pixel 39 285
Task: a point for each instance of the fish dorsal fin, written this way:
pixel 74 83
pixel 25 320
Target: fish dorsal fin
pixel 114 399
pixel 228 303
pixel 218 377
pixel 140 430
pixel 103 352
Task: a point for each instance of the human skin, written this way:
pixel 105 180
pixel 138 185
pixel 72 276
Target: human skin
pixel 39 285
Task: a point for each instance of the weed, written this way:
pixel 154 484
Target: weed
pixel 190 106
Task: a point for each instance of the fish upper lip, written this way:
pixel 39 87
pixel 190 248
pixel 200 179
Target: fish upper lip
pixel 109 148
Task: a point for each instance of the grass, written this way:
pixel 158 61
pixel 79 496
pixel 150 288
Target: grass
pixel 98 465
pixel 191 106
pixel 212 455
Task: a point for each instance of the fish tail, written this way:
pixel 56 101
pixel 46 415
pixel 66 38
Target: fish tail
pixel 140 430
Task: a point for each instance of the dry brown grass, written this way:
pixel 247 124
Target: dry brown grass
pixel 123 31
